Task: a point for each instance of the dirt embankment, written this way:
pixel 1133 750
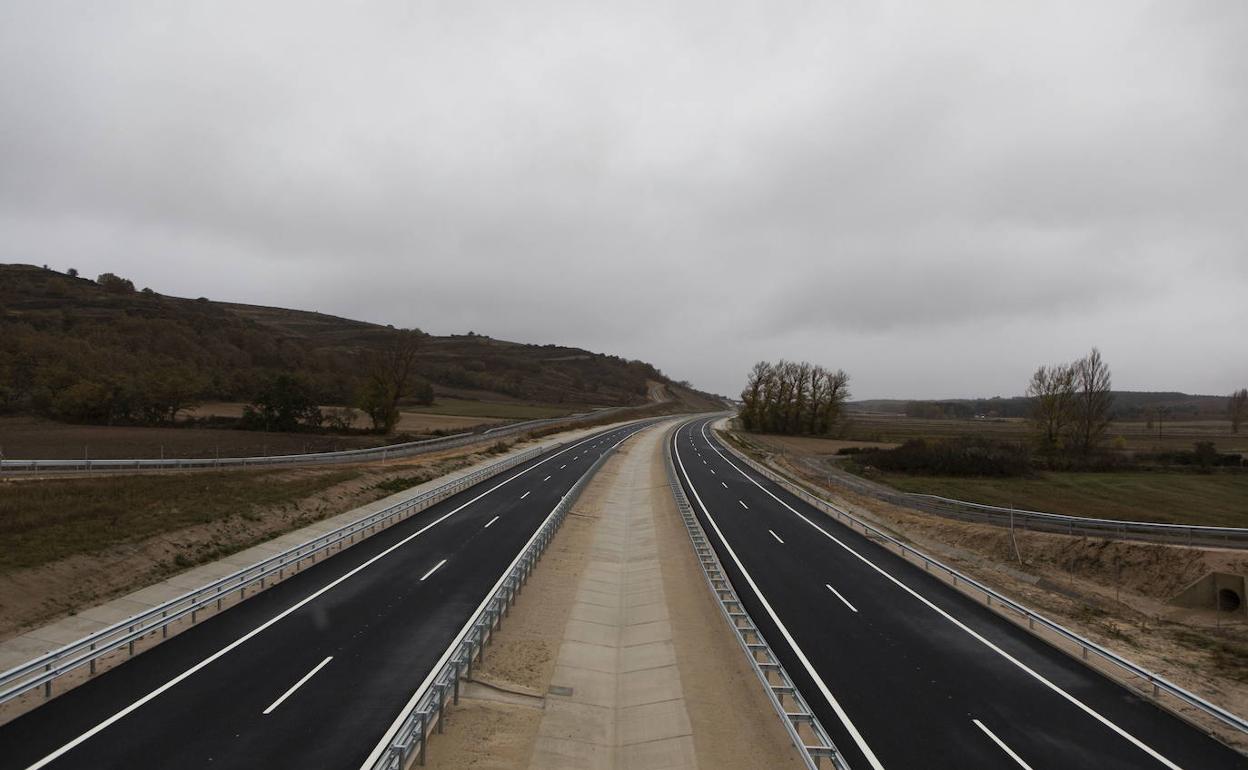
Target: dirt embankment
pixel 1113 592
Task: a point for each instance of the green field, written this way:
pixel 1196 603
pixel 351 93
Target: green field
pixel 506 411
pixel 1215 499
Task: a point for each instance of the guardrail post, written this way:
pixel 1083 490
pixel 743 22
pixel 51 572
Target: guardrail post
pixel 47 686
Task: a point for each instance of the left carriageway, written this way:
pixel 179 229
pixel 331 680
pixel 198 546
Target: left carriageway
pixel 311 672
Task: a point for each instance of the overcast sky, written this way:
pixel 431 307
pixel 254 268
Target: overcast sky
pixel 934 196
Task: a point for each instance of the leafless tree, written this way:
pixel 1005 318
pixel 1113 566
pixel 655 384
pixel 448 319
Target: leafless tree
pixel 1093 400
pixel 1052 391
pixel 789 397
pixel 1238 408
pixel 390 372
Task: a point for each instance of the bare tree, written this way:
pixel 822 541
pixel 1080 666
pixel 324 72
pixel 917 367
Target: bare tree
pixel 390 371
pixel 1052 390
pixel 1093 399
pixel 1238 408
pixel 790 397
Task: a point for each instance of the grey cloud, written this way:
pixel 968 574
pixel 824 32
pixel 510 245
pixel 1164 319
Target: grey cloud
pixel 698 184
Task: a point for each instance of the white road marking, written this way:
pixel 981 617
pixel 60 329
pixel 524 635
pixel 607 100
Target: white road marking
pixel 743 505
pixel 436 567
pixel 1001 743
pixel 974 634
pixel 526 494
pixel 842 598
pixel 52 757
pixel 297 685
pixel 387 737
pixel 546 479
pixel 777 537
pixel 488 523
pixel 712 471
pixel 725 486
pixel 561 467
pixel 797 650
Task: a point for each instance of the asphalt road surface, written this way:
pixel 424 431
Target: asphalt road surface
pixel 903 670
pixel 310 673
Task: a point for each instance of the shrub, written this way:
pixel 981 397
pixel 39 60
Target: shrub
pixel 952 457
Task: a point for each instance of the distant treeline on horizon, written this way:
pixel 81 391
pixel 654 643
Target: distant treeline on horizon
pixel 1127 405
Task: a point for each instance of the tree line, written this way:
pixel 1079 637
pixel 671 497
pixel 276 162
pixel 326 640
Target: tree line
pixel 793 398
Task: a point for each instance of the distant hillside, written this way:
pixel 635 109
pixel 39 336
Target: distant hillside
pixel 1128 404
pixel 66 343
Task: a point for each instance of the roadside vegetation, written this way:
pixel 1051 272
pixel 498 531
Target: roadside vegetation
pixel 46 520
pixel 793 398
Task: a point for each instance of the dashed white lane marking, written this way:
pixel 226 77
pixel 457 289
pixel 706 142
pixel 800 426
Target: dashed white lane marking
pixel 725 486
pixel 546 479
pixel 1139 744
pixel 436 567
pixel 777 537
pixel 297 685
pixel 1001 743
pixel 842 598
pixel 712 471
pixel 561 467
pixel 491 521
pixel 872 760
pixel 743 505
pixel 526 494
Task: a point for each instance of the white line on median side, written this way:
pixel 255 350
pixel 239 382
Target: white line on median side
pixel 872 760
pixel 436 567
pixel 1001 743
pixel 842 598
pixel 488 523
pixel 297 685
pixel 1141 745
pixel 284 613
pixel 777 537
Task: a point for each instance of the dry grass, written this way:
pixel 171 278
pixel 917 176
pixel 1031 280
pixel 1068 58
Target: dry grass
pixel 1137 435
pixel 43 521
pixel 1212 499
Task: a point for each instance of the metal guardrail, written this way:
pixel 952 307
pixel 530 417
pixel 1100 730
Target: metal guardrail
pixel 1148 682
pixel 766 665
pixel 409 735
pixel 382 453
pixel 45 669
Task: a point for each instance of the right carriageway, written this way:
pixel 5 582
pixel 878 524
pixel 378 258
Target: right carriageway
pixel 903 670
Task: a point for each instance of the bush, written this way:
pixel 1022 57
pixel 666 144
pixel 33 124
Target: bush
pixel 952 457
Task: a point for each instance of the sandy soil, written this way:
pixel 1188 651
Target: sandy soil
pixel 482 733
pixel 734 726
pixel 1115 593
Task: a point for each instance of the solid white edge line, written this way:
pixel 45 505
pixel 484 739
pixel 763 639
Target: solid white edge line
pixel 801 656
pixel 488 523
pixel 842 598
pixel 974 634
pixel 436 567
pixel 388 736
pixel 52 757
pixel 1001 743
pixel 297 685
pixel 777 537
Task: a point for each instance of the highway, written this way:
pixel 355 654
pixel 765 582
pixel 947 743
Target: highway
pixel 312 672
pixel 903 670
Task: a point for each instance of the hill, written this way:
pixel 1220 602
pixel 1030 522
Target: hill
pixel 99 351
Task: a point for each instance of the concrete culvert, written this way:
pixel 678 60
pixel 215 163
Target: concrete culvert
pixel 1228 600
